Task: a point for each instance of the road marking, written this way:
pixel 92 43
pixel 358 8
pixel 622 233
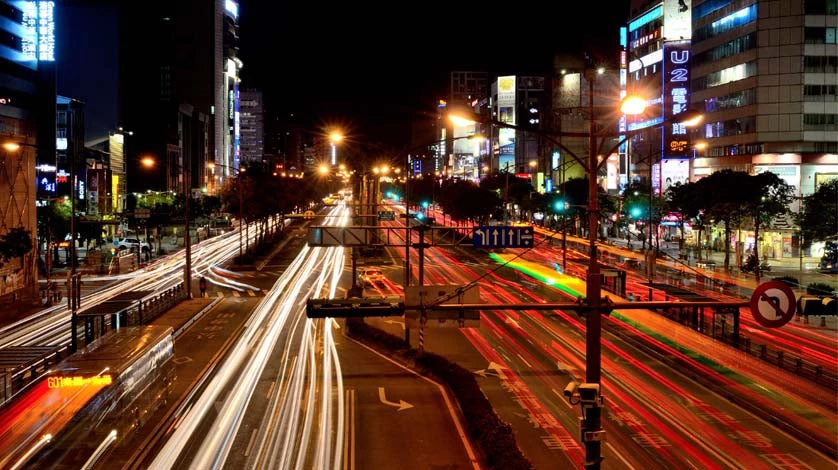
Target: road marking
pixel 270 390
pixel 250 443
pixel 525 361
pixel 401 405
pixel 182 360
pixel 454 416
pixel 349 437
pixel 220 294
pixel 251 293
pixel 236 293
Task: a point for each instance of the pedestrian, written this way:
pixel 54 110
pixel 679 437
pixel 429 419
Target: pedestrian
pixel 202 284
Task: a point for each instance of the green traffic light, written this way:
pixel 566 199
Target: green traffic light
pixel 425 204
pixel 559 205
pixel 635 212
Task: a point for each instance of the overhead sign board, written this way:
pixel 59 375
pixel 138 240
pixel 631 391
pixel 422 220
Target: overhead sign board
pixel 337 236
pixel 386 215
pixel 773 304
pixel 502 237
pixel 428 295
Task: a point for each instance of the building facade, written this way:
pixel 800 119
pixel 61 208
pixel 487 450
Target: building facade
pixel 765 75
pixel 27 125
pixel 252 130
pixel 179 93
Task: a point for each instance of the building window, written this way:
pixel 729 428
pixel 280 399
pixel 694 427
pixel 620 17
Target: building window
pixel 820 7
pixel 745 125
pixel 730 48
pixel 813 35
pixel 820 92
pixel 730 74
pixel 733 100
pixel 708 7
pixel 727 23
pixel 820 63
pixel 820 122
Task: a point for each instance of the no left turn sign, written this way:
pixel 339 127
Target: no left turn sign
pixel 773 304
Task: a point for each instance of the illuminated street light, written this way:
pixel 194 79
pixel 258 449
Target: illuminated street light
pixel 633 105
pixel 147 162
pixel 323 170
pixel 700 146
pixel 11 146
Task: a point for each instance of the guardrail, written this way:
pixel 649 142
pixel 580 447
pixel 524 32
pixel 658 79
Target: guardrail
pixel 18 379
pixel 784 360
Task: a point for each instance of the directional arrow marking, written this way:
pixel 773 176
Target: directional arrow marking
pixel 401 405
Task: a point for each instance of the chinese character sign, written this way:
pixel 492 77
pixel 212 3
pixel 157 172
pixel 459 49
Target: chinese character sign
pixel 676 97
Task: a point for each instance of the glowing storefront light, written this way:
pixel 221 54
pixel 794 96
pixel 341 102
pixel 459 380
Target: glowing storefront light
pixel 38 38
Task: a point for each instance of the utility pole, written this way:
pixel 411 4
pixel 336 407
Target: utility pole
pixel 187 195
pixel 591 418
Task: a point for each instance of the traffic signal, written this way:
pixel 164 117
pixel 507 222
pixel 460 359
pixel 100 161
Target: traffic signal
pixel 561 205
pixel 425 204
pixel 635 212
pixel 419 216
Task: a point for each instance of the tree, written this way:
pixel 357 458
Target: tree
pixel 818 218
pixel 723 200
pixel 685 199
pixel 16 243
pixel 766 196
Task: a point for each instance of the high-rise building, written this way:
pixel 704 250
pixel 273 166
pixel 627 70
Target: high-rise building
pixel 520 101
pixel 70 138
pixel 179 92
pixel 252 126
pixel 571 92
pixel 27 124
pixel 657 52
pixel 765 75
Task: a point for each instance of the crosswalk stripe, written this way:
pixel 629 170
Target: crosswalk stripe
pixel 220 294
pixel 236 293
pixel 251 293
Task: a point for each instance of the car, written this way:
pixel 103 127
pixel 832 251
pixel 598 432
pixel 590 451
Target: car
pixel 371 276
pixel 131 244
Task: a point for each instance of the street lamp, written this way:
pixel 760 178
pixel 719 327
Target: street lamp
pixel 335 137
pixel 592 408
pixel 148 162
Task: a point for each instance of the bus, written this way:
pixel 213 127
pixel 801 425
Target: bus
pixel 107 389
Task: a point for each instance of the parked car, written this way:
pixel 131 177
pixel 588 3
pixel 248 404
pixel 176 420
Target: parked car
pixel 371 276
pixel 131 244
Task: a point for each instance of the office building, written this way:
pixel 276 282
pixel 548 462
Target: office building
pixel 252 128
pixel 27 125
pixel 765 73
pixel 179 93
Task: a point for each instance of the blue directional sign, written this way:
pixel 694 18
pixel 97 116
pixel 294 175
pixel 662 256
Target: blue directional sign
pixel 502 237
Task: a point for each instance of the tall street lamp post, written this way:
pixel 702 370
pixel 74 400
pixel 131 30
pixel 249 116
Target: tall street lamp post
pixel 589 393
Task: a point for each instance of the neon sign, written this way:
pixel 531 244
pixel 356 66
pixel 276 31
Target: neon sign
pixel 79 381
pixel 38 39
pixel 676 96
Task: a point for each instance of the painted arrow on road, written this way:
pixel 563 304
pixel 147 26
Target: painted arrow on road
pixel 401 405
pixel 492 370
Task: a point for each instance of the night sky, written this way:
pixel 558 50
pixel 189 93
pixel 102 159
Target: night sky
pixel 371 67
pixel 377 67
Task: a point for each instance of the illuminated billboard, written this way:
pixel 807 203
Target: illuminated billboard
pixel 676 99
pixel 38 38
pixel 506 149
pixel 674 171
pixel 677 20
pixel 506 113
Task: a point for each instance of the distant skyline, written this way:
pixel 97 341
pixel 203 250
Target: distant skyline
pixel 372 69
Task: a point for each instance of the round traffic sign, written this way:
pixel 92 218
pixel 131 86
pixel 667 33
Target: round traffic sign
pixel 773 304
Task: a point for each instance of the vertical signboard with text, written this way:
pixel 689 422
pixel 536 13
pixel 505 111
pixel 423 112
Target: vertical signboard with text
pixel 676 97
pixel 506 114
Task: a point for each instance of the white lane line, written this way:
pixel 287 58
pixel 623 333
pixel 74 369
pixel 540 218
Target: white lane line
pixel 250 443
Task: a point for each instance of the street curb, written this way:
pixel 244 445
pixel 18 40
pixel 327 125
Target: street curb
pixel 196 317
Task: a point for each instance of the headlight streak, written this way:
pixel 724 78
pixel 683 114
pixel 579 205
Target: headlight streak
pixel 293 406
pixel 51 325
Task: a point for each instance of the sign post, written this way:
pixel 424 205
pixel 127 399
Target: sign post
pixel 773 304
